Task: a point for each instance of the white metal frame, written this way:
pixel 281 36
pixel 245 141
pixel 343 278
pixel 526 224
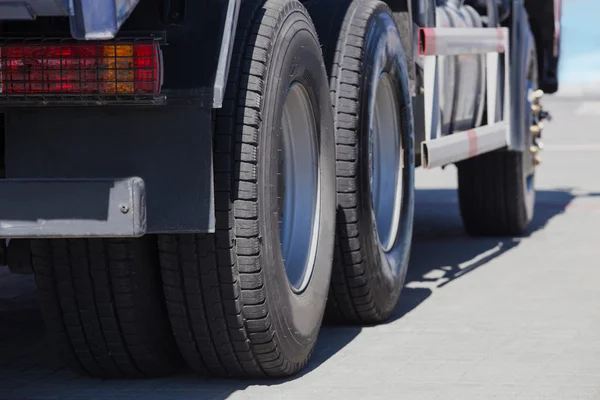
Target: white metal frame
pixel 433 42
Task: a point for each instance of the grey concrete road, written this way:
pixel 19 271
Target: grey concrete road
pixel 480 319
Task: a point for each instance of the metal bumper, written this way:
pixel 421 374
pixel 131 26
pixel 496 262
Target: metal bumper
pixel 72 208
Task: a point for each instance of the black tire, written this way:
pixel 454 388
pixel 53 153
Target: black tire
pixel 103 306
pixel 361 44
pixel 18 256
pixel 231 306
pixel 496 189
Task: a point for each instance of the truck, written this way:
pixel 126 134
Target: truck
pixel 203 182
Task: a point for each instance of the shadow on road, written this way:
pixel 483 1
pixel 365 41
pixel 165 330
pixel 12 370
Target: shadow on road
pixel 441 254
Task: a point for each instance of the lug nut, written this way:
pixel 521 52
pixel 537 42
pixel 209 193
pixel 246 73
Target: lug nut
pixel 534 149
pixel 535 130
pixel 538 94
pixel 536 108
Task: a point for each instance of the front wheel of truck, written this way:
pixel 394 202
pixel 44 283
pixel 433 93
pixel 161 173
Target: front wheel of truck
pixel 248 300
pixel 103 306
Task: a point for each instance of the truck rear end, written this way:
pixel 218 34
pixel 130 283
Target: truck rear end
pixel 89 109
pixel 96 163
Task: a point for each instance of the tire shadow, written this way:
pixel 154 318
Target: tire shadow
pixel 442 252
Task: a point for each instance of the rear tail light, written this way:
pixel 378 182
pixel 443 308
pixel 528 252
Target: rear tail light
pixel 116 69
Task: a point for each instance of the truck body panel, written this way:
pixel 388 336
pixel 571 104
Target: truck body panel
pixel 89 19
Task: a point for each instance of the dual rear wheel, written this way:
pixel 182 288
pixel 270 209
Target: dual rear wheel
pixel 313 169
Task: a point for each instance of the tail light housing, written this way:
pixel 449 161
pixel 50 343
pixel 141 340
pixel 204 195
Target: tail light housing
pixel 121 69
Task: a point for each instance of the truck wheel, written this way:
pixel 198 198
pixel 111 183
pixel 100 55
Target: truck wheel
pixel 496 190
pixel 103 306
pixel 248 301
pixel 375 157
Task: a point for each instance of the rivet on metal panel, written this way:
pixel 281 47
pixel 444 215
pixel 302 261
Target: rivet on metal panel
pixel 174 11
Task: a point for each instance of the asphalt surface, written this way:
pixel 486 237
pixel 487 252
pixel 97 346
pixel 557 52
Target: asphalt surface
pixel 515 318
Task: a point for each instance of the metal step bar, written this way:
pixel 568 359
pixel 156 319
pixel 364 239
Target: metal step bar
pixel 460 41
pixel 462 145
pixel 438 150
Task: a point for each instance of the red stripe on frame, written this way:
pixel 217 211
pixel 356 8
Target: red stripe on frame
pixel 427 47
pixel 472 143
pixel 500 46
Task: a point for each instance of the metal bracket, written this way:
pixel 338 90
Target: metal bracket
pixel 227 43
pixel 434 42
pixel 72 208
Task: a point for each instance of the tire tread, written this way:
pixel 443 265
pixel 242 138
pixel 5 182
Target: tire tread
pixel 223 269
pixel 351 299
pixel 86 289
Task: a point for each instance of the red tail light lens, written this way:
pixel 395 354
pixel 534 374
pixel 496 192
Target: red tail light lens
pixel 92 69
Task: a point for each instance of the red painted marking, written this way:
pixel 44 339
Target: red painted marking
pixel 500 46
pixel 427 45
pixel 472 143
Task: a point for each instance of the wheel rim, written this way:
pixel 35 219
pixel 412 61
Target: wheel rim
pixel 299 187
pixel 385 159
